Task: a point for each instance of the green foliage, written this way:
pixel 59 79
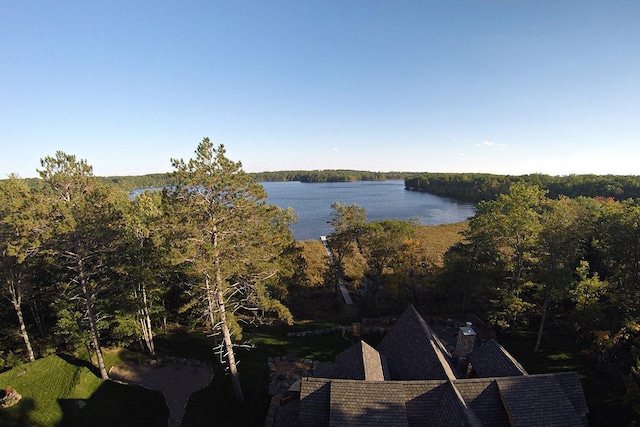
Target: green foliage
pixel 476 187
pixel 328 176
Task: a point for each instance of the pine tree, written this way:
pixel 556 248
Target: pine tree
pixel 85 222
pixel 229 239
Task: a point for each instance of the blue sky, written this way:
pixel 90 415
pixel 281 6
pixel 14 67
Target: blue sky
pixel 440 86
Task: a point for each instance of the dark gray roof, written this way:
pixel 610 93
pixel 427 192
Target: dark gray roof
pixel 537 400
pixel 360 362
pixel 437 403
pixel 288 415
pixel 492 360
pixel 425 390
pixel 532 400
pixel 366 403
pixel 570 383
pixel 327 370
pixel 314 402
pixel 387 403
pixel 414 352
pixel 482 396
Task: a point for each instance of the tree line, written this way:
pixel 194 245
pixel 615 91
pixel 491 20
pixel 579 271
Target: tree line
pixel 475 187
pixel 91 267
pixel 337 175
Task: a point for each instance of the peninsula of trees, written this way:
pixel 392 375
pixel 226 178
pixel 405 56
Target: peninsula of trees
pixel 475 187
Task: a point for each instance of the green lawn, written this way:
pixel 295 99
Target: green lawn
pixel 216 402
pixel 51 388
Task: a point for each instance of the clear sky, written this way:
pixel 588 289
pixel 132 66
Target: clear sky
pixel 497 86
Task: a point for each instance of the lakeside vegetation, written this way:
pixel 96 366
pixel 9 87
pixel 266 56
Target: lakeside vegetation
pixel 475 187
pixel 92 278
pixel 469 187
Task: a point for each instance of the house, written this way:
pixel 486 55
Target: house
pixel 414 379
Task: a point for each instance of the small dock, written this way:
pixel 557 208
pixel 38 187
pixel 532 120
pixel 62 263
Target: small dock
pixel 343 288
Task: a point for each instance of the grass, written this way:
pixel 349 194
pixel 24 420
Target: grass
pixel 215 403
pixel 51 386
pixel 437 239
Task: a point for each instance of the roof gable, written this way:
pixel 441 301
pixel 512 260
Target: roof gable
pixel 414 352
pixel 536 400
pixel 493 360
pixel 360 362
pixel 314 402
pixel 482 396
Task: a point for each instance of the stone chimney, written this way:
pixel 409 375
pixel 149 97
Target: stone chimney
pixel 466 339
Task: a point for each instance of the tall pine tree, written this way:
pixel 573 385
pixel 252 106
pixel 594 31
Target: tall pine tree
pixel 229 240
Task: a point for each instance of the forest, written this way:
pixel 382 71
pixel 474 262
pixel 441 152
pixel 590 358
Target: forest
pixel 86 268
pixel 475 187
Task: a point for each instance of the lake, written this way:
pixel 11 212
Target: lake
pixel 382 200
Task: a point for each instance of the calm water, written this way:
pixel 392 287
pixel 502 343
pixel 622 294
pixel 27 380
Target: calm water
pixel 382 200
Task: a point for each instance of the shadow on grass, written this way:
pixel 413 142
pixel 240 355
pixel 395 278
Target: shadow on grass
pixel 115 404
pixel 215 403
pixel 72 360
pixel 19 415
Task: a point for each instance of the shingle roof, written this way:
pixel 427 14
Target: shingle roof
pixel 327 370
pixel 533 400
pixel 414 352
pixel 425 391
pixel 570 383
pixel 492 360
pixel 314 402
pixel 481 394
pixel 360 362
pixel 288 415
pixel 537 400
pixel 364 403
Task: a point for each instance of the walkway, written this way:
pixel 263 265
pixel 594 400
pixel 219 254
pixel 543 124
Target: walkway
pixel 176 378
pixel 343 288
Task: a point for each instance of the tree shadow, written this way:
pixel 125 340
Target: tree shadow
pixel 72 360
pixel 19 415
pixel 115 404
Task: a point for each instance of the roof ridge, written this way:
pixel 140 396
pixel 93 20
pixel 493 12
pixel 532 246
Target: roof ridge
pixel 511 358
pixel 468 413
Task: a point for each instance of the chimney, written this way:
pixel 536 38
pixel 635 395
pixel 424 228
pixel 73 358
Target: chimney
pixel 466 339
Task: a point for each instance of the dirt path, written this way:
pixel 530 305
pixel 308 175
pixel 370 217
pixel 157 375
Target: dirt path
pixel 177 380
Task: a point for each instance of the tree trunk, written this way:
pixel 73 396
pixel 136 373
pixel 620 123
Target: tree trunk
pixel 545 308
pixel 228 345
pixel 16 300
pixel 37 315
pixel 211 307
pixel 93 327
pixel 145 321
pixel 226 334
